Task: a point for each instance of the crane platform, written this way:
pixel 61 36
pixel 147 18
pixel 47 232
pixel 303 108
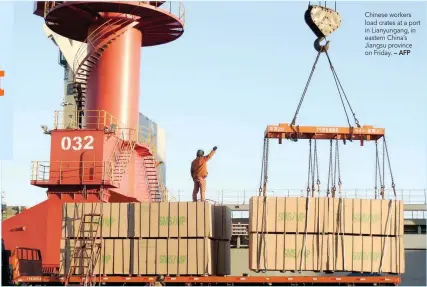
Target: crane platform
pixel 222 280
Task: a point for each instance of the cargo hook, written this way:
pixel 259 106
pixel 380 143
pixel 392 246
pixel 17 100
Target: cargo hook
pixel 319 47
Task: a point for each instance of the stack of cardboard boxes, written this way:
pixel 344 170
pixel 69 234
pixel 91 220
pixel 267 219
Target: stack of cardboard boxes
pixel 167 238
pixel 326 234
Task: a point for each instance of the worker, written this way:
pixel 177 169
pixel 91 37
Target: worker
pixel 199 172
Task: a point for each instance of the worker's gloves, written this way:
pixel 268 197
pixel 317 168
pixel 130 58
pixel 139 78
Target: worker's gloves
pixel 214 148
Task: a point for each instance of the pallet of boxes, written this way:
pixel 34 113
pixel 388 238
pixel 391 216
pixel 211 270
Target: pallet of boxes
pixel 161 238
pixel 326 234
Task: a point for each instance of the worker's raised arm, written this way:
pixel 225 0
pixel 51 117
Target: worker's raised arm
pixel 210 155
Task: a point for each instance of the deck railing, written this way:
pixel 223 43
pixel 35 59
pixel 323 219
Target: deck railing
pixel 229 196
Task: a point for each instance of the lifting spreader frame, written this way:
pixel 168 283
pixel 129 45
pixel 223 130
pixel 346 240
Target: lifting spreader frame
pixel 286 131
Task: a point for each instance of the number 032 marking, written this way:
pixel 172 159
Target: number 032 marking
pixel 77 143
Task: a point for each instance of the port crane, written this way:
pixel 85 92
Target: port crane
pixel 323 21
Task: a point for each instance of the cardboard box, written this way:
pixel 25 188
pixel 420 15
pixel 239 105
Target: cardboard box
pixel 283 252
pixel 151 220
pixel 325 215
pixel 65 261
pixel 181 220
pixel 376 216
pixel 286 252
pixel 173 219
pixel 181 257
pixel 154 257
pixel 114 220
pixel 279 214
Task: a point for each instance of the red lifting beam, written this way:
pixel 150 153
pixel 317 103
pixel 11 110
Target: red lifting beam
pixel 286 131
pixel 1 90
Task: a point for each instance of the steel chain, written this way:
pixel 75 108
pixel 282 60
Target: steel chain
pixel 389 165
pixel 383 185
pixel 339 84
pixel 266 168
pixel 328 191
pixel 317 161
pixel 305 89
pixel 376 169
pixel 313 168
pixel 339 168
pixel 338 160
pixel 262 168
pixel 309 168
pixel 334 180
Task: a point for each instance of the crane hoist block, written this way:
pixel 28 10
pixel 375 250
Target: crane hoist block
pixel 321 20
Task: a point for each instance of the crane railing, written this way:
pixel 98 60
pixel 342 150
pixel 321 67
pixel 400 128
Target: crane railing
pixel 71 172
pixel 171 7
pixel 102 120
pixel 242 196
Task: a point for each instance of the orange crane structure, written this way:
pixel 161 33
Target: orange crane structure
pixel 101 157
pixel 1 90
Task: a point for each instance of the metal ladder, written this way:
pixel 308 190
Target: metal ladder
pixel 86 251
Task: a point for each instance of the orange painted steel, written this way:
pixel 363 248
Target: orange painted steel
pixel 97 157
pixel 161 25
pixel 286 131
pixel 1 90
pixel 38 227
pixel 113 84
pixel 362 280
pixel 52 173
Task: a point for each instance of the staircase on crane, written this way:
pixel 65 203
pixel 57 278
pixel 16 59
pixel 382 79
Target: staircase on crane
pixel 99 39
pixel 121 157
pixel 154 185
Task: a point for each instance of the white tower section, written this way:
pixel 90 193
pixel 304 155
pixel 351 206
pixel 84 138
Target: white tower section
pixel 68 50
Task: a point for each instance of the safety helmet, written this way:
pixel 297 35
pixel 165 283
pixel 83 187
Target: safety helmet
pixel 200 153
